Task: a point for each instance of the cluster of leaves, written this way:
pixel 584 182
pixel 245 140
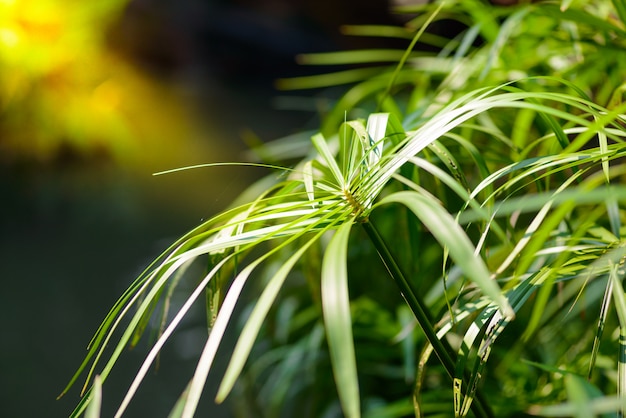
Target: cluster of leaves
pixel 484 180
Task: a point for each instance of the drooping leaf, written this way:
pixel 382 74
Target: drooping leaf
pixel 93 410
pixel 257 316
pixel 445 229
pixel 337 320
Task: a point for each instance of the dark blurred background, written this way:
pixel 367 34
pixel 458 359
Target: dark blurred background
pixel 94 98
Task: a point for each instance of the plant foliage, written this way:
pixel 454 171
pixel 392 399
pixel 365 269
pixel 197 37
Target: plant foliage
pixel 485 177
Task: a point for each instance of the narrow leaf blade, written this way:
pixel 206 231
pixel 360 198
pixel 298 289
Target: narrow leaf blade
pixel 338 321
pixel 449 234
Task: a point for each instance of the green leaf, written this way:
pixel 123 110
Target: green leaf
pixel 407 53
pixel 603 405
pixel 327 157
pixel 255 321
pixel 93 410
pixel 307 177
pixel 196 385
pixel 616 276
pixel 620 7
pixel 352 145
pixel 352 57
pixel 338 322
pixel 449 234
pixel 327 80
pixel 177 410
pixel 165 336
pixel 578 393
pixel 580 16
pixel 376 129
pixel 503 34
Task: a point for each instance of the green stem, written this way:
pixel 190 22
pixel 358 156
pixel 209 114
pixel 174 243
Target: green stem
pixel 441 347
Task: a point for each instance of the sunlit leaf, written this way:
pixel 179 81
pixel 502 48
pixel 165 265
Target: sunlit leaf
pixel 257 316
pixel 337 320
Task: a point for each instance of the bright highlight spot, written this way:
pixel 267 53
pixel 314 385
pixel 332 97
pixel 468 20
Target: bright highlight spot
pixel 8 38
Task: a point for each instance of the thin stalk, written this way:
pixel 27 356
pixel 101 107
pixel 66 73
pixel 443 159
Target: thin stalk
pixel 406 55
pixel 441 347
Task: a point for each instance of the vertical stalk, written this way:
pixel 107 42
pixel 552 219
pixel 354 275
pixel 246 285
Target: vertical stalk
pixel 420 311
pixel 621 371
